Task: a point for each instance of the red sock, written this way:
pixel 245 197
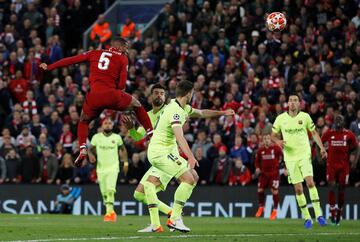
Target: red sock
pixel 83 131
pixel 276 200
pixel 143 118
pixel 261 197
pixel 331 199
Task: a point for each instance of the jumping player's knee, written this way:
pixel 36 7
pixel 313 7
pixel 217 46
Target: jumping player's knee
pixel 135 103
pixel 84 118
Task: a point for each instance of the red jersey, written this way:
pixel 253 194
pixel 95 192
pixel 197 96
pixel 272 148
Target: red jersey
pixel 108 68
pixel 339 145
pixel 268 159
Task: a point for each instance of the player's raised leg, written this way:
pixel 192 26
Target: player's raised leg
pixel 82 132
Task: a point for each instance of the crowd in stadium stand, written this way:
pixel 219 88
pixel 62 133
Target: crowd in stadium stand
pixel 223 48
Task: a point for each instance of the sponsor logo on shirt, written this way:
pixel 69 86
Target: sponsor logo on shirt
pixel 293 131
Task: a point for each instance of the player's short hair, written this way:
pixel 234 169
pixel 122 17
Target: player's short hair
pixel 106 119
pixel 183 88
pixel 294 94
pixel 157 86
pixel 121 40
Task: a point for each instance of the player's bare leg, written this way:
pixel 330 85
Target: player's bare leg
pixel 315 200
pixel 332 201
pixel 261 198
pixel 83 131
pixel 182 194
pixel 275 193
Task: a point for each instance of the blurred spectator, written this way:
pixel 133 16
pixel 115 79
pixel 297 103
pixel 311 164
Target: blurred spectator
pixel 66 170
pixel 35 17
pixel 29 165
pixel 29 105
pixel 239 150
pixel 48 166
pixel 136 169
pixel 3 171
pixel 221 168
pixel 205 166
pixel 13 162
pixel 202 142
pixel 18 87
pixel 101 32
pixel 67 138
pixel 25 138
pixel 129 30
pixel 355 125
pixel 82 174
pixel 239 174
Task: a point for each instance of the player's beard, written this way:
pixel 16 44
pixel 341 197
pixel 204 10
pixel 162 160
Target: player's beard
pixel 107 131
pixel 158 102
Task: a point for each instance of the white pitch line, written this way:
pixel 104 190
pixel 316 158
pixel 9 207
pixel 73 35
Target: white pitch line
pixel 181 236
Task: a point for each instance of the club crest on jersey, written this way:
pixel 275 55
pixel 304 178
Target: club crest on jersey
pixel 176 116
pixel 300 122
pixel 113 141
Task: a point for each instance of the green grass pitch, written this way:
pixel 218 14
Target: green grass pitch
pixel 91 228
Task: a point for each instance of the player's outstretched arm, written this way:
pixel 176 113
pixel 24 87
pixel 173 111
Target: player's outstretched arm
pixel 207 113
pixel 136 134
pixel 320 144
pixel 66 61
pixel 179 134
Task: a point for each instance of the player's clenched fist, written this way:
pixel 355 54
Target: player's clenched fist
pixel 43 66
pixel 127 121
pixel 229 112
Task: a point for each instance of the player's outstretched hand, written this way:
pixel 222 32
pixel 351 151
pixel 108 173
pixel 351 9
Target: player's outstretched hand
pixel 193 162
pixel 43 66
pixel 281 143
pixel 229 112
pixel 127 121
pixel 323 153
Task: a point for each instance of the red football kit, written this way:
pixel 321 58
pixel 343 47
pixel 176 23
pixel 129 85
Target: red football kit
pixel 108 75
pixel 340 143
pixel 268 161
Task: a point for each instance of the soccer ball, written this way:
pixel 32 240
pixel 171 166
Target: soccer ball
pixel 276 22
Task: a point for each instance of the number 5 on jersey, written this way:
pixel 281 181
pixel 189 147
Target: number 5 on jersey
pixel 104 61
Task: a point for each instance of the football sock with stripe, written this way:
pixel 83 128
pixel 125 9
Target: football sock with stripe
pixel 315 200
pixel 109 203
pixel 152 202
pixel 140 197
pixel 182 194
pixel 303 206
